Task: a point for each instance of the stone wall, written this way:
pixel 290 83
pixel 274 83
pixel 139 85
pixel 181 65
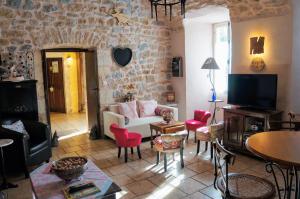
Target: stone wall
pixel 241 10
pixel 32 25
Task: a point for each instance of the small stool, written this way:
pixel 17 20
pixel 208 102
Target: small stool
pixel 5 184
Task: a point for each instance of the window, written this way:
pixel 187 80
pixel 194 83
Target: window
pixel 222 54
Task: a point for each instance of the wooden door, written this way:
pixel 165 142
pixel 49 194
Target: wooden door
pixel 234 126
pixel 56 85
pixel 92 89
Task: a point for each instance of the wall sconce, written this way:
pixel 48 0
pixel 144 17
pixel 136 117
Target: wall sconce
pixel 256 48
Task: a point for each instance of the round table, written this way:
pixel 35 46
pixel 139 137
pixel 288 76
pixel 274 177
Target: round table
pixel 281 150
pixel 5 184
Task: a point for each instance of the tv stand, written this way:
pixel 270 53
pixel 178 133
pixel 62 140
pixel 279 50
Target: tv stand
pixel 242 123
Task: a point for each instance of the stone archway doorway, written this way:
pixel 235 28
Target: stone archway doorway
pixel 90 91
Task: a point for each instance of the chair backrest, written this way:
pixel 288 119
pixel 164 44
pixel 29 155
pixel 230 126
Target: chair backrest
pixel 223 158
pixel 121 134
pixel 201 115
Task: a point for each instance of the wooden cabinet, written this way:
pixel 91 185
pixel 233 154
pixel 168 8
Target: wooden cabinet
pixel 18 100
pixel 240 124
pixel 234 128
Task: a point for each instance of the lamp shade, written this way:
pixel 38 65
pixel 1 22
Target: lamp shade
pixel 210 63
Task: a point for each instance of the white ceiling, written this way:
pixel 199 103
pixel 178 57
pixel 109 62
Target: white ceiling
pixel 209 14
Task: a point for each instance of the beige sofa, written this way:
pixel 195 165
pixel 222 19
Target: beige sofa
pixel 140 125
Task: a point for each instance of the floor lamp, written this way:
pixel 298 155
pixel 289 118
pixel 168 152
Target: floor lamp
pixel 211 64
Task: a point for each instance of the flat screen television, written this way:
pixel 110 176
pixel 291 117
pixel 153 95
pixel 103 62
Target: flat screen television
pixel 253 91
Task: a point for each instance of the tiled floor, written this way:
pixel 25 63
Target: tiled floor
pixel 142 178
pixel 68 124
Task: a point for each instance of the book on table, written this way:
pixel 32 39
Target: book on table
pixel 80 190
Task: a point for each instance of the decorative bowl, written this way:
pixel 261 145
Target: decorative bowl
pixel 69 168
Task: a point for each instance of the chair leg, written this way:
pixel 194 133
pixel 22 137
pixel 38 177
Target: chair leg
pixel 131 150
pixel 187 137
pixel 181 158
pixel 206 146
pixel 119 152
pixel 157 157
pixel 26 173
pixel 198 147
pixel 211 150
pixel 139 151
pixel 126 155
pixel 195 139
pixel 165 162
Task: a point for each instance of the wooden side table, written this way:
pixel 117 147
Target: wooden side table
pixel 5 184
pixel 162 127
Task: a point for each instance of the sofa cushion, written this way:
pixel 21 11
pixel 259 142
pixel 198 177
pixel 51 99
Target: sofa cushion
pixel 128 109
pixel 144 121
pixel 147 108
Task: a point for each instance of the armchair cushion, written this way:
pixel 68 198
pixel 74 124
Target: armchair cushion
pixel 194 124
pixel 17 126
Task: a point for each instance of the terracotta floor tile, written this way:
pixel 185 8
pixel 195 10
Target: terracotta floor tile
pixel 119 169
pixel 201 167
pixel 161 179
pixel 197 195
pixel 122 180
pixel 168 192
pixel 211 192
pixel 188 185
pixel 141 187
pixel 206 178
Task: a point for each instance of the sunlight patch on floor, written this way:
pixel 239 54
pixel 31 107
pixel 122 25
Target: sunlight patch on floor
pixel 72 135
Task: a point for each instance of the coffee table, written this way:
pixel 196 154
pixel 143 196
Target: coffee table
pixel 163 127
pixel 48 185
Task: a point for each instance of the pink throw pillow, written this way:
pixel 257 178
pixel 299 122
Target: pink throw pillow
pixel 128 109
pixel 147 108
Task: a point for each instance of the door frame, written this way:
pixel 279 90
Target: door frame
pixel 46 75
pixel 52 58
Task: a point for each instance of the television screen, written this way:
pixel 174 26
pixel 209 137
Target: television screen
pixel 256 91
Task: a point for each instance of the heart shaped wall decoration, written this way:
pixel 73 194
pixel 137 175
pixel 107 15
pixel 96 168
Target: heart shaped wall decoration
pixel 122 56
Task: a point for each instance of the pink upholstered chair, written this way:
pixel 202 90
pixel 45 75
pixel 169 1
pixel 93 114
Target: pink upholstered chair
pixel 126 139
pixel 200 120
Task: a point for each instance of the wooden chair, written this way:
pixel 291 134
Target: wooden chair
pixel 235 185
pixel 209 134
pixel 170 144
pixel 126 140
pixel 199 120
